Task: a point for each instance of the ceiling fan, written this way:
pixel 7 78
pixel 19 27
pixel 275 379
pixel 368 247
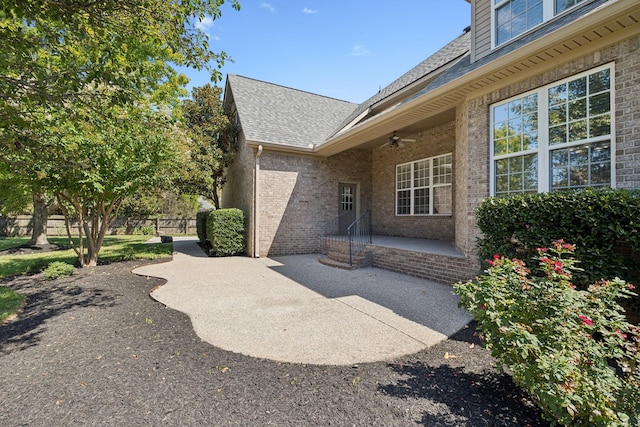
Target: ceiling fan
pixel 396 142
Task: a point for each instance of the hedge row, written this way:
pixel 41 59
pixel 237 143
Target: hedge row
pixel 603 224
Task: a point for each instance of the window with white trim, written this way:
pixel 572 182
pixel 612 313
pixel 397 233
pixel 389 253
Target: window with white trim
pixel 514 17
pixel 556 137
pixel 423 187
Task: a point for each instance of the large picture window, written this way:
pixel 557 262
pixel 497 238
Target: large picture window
pixel 514 17
pixel 554 138
pixel 423 187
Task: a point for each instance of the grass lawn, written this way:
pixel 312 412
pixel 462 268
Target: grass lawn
pixel 10 302
pixel 115 248
pixel 12 242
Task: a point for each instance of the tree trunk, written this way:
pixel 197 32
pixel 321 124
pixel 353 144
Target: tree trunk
pixel 216 199
pixel 40 215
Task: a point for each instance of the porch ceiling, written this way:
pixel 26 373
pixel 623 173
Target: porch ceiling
pixel 604 26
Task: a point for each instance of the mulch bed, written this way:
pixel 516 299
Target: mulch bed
pixel 94 348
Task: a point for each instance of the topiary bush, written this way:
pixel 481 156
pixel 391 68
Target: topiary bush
pixel 572 350
pixel 58 269
pixel 201 225
pixel 603 224
pixel 226 231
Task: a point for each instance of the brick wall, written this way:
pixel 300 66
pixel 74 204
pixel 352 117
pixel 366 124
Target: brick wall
pixel 626 56
pixel 439 268
pixel 627 100
pixel 429 143
pixel 472 151
pixel 299 194
pixel 238 190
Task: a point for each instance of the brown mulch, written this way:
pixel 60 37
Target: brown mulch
pixel 94 348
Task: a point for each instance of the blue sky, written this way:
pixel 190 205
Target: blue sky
pixel 342 49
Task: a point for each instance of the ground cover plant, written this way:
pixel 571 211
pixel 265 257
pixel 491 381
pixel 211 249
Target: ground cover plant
pixel 572 350
pixel 58 269
pixel 116 248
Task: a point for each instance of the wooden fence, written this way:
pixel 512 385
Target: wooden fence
pixel 22 226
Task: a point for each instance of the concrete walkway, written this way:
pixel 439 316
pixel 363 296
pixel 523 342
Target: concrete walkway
pixel 294 309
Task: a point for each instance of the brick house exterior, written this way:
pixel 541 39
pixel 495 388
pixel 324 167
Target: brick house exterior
pixel 295 148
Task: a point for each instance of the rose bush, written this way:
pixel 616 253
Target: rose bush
pixel 572 350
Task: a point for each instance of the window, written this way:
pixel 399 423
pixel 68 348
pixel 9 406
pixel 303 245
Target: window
pixel 423 187
pixel 514 17
pixel 557 137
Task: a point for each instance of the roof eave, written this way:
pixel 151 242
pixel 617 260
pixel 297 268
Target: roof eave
pixel 353 137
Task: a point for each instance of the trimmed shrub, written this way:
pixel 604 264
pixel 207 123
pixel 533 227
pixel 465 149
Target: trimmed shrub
pixel 604 225
pixel 226 231
pixel 58 269
pixel 201 225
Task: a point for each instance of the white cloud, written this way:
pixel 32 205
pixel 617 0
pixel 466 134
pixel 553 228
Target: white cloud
pixel 205 23
pixel 309 11
pixel 360 50
pixel 268 7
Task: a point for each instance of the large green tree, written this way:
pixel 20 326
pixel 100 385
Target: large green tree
pixel 98 163
pixel 51 51
pixel 61 56
pixel 211 143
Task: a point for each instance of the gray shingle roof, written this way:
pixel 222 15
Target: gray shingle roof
pixel 465 66
pixel 281 115
pixel 457 48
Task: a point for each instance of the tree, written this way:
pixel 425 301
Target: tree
pixel 53 50
pixel 61 56
pixel 21 182
pixel 128 149
pixel 212 141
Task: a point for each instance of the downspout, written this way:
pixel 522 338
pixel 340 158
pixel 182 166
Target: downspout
pixel 256 206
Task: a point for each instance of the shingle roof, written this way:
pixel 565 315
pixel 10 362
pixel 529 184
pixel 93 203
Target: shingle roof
pixel 457 48
pixel 465 66
pixel 281 115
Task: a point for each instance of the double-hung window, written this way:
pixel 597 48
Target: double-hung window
pixel 514 17
pixel 554 138
pixel 423 187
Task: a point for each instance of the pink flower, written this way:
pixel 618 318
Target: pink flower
pixel 542 249
pixel 621 334
pixel 558 266
pixel 496 256
pixel 491 263
pixel 585 320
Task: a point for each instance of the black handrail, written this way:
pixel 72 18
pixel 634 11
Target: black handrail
pixel 360 234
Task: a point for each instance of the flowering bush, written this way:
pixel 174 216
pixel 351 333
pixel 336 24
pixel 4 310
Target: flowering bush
pixel 571 349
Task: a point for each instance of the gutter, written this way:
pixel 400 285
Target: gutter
pixel 256 205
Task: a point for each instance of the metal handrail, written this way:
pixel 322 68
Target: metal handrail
pixel 360 234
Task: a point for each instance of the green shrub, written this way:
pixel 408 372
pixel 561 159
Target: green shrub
pixel 571 349
pixel 201 225
pixel 603 224
pixel 58 269
pixel 225 232
pixel 145 230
